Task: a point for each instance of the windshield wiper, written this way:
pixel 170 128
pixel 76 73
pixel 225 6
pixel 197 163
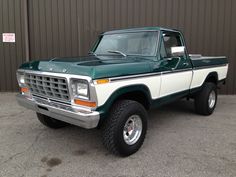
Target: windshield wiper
pixel 117 52
pixel 92 53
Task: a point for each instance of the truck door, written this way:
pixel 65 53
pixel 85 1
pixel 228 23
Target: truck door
pixel 176 69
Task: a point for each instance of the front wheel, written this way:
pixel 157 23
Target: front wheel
pixel 205 101
pixel 125 129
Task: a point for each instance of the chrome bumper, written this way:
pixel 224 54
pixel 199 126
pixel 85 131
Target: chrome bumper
pixel 81 118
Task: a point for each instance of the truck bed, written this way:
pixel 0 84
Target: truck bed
pixel 200 61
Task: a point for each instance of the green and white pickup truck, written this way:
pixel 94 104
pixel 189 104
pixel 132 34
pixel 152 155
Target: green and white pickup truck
pixel 126 73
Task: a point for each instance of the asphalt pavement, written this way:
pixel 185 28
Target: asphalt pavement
pixel 179 143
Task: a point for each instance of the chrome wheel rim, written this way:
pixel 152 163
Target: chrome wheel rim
pixel 132 129
pixel 212 99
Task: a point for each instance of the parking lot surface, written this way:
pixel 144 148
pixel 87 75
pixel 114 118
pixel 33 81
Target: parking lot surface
pixel 179 143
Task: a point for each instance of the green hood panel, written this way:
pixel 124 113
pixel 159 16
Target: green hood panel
pixel 94 67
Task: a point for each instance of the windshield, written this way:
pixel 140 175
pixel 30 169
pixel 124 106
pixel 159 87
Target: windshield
pixel 138 43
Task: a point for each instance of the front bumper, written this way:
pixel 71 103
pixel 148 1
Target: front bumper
pixel 81 118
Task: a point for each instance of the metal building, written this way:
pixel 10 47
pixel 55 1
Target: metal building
pixel 56 28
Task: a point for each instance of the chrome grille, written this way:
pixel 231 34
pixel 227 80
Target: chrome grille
pixel 48 86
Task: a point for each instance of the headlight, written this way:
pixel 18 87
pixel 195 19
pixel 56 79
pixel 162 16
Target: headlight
pixel 21 79
pixel 23 87
pixel 80 89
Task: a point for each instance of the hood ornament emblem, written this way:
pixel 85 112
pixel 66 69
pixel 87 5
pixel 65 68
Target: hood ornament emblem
pixel 64 70
pixel 50 69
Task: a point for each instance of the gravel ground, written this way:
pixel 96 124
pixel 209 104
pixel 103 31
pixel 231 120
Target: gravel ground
pixel 179 143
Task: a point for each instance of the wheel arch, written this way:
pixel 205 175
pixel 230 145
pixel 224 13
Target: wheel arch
pixel 212 77
pixel 138 92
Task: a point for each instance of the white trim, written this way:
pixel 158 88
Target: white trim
pixel 187 79
pixel 200 75
pixel 174 83
pixel 104 91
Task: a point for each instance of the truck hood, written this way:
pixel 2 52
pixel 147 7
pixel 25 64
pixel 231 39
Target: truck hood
pixel 94 66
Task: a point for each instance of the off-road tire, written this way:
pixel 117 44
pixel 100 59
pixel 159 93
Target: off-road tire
pixel 50 122
pixel 113 127
pixel 201 99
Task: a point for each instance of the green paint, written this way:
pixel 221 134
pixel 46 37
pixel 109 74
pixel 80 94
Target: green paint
pixel 168 99
pixel 152 28
pixel 94 67
pixel 209 62
pixel 114 65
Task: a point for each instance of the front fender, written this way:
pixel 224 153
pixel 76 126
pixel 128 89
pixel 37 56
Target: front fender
pixel 104 109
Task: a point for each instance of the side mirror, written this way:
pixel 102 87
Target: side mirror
pixel 178 51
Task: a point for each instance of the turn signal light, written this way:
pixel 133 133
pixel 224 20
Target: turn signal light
pixel 85 103
pixel 24 89
pixel 102 81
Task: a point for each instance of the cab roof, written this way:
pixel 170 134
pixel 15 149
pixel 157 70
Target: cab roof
pixel 139 30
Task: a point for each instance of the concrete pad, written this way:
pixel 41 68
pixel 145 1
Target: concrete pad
pixel 179 143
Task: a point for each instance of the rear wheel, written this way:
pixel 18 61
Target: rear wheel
pixel 50 122
pixel 125 129
pixel 206 99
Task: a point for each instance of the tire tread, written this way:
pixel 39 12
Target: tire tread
pixel 110 124
pixel 201 99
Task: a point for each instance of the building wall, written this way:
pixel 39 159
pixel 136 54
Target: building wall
pixel 11 54
pixel 69 27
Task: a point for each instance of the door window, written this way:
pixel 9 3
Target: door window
pixel 169 40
